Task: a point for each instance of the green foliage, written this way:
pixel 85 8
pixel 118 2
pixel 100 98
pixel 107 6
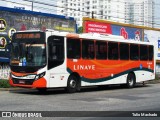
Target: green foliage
pixel 80 29
pixel 157 76
pixel 4 84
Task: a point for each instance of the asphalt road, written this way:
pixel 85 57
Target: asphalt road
pixel 115 98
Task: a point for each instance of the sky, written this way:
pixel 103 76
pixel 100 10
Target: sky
pixel 28 5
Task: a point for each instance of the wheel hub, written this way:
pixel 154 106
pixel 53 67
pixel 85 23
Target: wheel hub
pixel 73 83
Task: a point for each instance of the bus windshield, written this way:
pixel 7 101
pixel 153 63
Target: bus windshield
pixel 29 55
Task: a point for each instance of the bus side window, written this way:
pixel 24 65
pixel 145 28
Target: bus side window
pixel 88 49
pixel 73 48
pixel 124 51
pixel 151 52
pixel 143 52
pixel 101 50
pixel 112 51
pixel 134 52
pixel 55 51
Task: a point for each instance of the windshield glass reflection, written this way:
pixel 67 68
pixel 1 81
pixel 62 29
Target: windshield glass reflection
pixel 28 54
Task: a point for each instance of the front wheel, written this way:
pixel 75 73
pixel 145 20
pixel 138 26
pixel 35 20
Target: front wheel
pixel 72 84
pixel 131 80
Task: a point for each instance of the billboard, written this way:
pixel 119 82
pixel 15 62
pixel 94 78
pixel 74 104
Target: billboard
pixel 128 31
pixel 131 33
pixel 12 20
pixel 154 37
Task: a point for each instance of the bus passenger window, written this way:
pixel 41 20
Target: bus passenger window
pixel 112 51
pixel 134 52
pixel 150 52
pixel 101 50
pixel 73 49
pixel 143 52
pixel 88 49
pixel 124 51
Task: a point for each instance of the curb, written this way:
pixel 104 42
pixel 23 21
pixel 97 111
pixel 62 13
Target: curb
pixel 9 89
pixel 18 88
pixel 153 82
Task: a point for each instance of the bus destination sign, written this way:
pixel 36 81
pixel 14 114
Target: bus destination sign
pixel 28 36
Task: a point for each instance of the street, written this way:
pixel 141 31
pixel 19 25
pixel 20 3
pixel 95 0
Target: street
pixel 115 98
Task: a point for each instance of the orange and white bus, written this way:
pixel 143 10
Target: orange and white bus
pixel 58 59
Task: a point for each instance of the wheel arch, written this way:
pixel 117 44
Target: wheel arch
pixel 78 78
pixel 132 72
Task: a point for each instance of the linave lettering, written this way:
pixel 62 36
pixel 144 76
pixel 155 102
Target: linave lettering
pixel 84 67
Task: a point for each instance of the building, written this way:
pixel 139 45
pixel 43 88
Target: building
pixel 101 9
pixel 138 12
pixel 143 12
pixel 156 14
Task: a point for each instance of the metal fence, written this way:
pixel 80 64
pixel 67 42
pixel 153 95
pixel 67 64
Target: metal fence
pixel 4 72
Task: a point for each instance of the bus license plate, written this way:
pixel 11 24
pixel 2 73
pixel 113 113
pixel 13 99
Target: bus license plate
pixel 21 82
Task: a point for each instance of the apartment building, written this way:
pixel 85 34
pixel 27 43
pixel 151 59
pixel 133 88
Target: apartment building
pixel 138 12
pixel 143 12
pixel 113 10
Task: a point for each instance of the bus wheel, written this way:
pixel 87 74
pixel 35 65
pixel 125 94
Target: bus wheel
pixel 72 84
pixel 131 80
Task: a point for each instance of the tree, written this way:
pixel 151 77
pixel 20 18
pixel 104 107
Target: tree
pixel 80 29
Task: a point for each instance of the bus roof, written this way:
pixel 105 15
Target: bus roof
pixel 91 36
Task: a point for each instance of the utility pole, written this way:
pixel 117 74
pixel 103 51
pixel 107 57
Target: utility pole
pixel 32 5
pixel 92 15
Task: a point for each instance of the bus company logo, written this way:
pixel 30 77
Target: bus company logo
pixel 84 67
pixel 6 114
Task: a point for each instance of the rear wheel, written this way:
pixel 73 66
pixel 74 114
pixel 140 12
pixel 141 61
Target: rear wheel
pixel 131 80
pixel 72 84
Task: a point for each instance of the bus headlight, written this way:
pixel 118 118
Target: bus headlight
pixel 40 75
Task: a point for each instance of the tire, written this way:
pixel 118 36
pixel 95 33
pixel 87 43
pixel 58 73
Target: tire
pixel 72 84
pixel 131 80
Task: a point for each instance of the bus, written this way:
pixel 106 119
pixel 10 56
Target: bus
pixel 52 59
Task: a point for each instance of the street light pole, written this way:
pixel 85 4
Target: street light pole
pixel 32 5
